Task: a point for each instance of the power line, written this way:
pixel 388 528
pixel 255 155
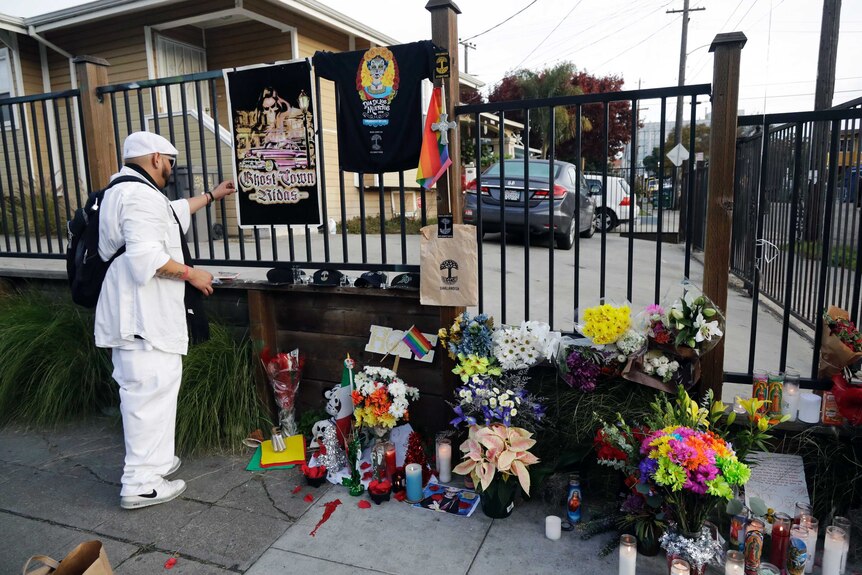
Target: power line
pixel 560 23
pixel 799 95
pixel 501 23
pixel 635 45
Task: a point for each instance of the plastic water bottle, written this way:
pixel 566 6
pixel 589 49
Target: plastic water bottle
pixel 573 500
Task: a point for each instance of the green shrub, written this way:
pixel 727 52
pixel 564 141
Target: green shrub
pixel 52 372
pixel 393 225
pixel 34 217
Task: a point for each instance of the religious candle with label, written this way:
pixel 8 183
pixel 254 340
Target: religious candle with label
pixel 753 545
pixel 760 387
pixel 390 460
pixel 797 550
pixel 773 394
pixel 833 548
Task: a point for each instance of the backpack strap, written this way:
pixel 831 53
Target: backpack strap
pixel 100 196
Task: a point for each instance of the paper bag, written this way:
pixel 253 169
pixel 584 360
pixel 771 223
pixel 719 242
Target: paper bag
pixel 449 267
pixel 88 558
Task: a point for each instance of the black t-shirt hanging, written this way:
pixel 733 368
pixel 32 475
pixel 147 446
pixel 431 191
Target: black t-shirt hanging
pixel 380 96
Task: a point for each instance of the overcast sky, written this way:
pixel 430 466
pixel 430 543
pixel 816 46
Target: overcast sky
pixel 635 39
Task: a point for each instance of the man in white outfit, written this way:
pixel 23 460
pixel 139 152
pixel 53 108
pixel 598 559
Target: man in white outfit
pixel 141 314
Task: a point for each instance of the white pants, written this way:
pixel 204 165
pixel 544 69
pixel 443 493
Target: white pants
pixel 149 383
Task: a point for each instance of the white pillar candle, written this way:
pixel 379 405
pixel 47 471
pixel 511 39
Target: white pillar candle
pixel 413 473
pixel 844 524
pixel 809 408
pixel 553 527
pixel 833 548
pixel 444 460
pixel 628 554
pixel 811 524
pixel 734 563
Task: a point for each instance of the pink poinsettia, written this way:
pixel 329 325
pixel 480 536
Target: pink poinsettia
pixel 497 448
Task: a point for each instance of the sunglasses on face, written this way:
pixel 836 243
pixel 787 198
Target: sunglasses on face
pixel 172 160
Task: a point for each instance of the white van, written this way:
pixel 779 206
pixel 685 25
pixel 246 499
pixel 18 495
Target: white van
pixel 619 200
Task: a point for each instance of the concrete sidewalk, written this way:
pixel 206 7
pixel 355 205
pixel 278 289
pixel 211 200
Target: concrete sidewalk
pixel 61 487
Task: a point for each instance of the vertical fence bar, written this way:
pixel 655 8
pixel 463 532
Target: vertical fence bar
pixel 689 192
pixel 579 118
pixel 658 237
pixel 18 171
pixel 479 232
pixel 403 217
pixel 64 180
pixel 219 164
pixel 343 196
pixel 760 207
pixel 634 208
pixel 526 199
pixel 46 212
pixel 825 251
pixel 551 200
pixel 501 197
pixel 319 161
pixel 382 218
pixel 202 135
pixel 51 171
pixel 603 250
pixel 191 179
pixel 74 151
pixel 6 230
pixel 791 254
pixel 362 228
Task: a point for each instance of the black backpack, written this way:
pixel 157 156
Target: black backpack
pixel 86 270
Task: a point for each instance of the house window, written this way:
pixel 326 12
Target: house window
pixel 178 59
pixel 6 84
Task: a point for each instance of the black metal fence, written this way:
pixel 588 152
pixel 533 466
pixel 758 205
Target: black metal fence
pixel 551 284
pixel 43 172
pixel 796 234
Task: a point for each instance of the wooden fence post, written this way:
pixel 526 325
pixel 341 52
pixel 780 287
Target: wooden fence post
pixel 97 120
pixel 444 33
pixel 719 214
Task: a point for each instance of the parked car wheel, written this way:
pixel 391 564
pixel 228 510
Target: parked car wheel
pixel 567 241
pixel 590 232
pixel 606 219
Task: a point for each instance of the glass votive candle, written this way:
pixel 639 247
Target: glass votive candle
pixel 768 569
pixel 790 398
pixel 734 563
pixel 833 549
pixel 812 524
pixel 444 459
pixel 844 524
pixel 802 508
pixel 553 527
pixel 680 567
pixel 628 554
pixel 797 551
pixel 774 393
pixel 809 407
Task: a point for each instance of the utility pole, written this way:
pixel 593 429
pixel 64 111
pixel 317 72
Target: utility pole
pixel 467 47
pixel 823 92
pixel 677 127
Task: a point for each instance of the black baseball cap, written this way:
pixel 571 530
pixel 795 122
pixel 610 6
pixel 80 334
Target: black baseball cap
pixel 327 277
pixel 372 279
pixel 283 275
pixel 405 281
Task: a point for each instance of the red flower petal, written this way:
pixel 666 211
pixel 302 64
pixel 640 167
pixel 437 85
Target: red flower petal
pixel 434 487
pixel 364 504
pixel 401 495
pixel 367 475
pixel 365 465
pixel 309 498
pixel 297 489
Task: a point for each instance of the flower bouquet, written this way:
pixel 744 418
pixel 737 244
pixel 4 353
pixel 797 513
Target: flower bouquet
pixel 608 344
pixel 520 348
pixel 380 399
pixel 284 372
pixel 842 342
pixel 483 400
pixel 469 342
pixel 492 455
pixel 379 490
pixel 692 322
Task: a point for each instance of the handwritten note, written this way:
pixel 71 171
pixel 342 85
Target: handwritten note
pixel 385 340
pixel 777 479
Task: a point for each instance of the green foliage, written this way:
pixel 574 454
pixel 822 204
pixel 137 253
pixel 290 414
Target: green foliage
pixel 52 372
pixel 843 256
pixel 393 225
pixel 51 369
pixel 218 405
pixel 33 214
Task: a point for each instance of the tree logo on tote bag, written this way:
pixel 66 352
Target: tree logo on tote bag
pixel 449 265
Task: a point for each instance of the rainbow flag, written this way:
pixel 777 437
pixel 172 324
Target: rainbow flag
pixel 418 343
pixel 434 158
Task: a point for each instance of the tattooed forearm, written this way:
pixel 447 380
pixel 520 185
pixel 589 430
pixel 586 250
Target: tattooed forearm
pixel 163 273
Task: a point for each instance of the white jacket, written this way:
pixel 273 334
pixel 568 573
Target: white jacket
pixel 133 301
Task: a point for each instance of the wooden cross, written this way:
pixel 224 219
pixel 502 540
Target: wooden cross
pixel 443 126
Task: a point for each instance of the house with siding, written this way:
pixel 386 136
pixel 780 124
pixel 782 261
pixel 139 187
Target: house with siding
pixel 151 39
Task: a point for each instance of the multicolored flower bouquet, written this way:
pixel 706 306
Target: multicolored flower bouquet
pixel 608 344
pixel 469 342
pixel 380 399
pixel 484 400
pixel 496 452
